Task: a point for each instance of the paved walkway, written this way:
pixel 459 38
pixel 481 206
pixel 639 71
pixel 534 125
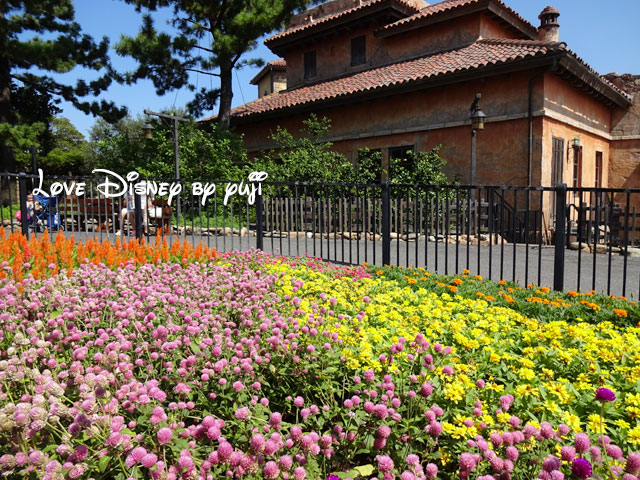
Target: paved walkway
pixel 583 271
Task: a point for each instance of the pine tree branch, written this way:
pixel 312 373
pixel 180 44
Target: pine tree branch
pixel 202 71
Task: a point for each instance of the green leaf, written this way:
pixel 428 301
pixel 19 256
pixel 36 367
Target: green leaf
pixel 365 470
pixel 103 462
pixel 195 348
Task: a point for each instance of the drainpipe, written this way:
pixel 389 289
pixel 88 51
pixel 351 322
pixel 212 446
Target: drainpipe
pixel 530 116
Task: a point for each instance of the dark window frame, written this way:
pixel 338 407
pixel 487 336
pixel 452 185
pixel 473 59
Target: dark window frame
pixel 310 64
pixel 358 50
pixel 599 165
pixel 557 157
pixel 577 167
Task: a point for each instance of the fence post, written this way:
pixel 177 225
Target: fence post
pixel 138 216
pixel 560 236
pixel 22 190
pixel 386 224
pixel 259 221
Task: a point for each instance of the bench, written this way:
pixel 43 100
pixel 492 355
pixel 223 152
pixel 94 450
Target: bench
pixel 76 211
pixel 162 222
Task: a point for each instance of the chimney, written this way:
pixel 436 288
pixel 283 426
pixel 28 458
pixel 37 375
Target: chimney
pixel 549 26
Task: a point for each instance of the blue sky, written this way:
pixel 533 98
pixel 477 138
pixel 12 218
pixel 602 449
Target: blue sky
pixel 604 34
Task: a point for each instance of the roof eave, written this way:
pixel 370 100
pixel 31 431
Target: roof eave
pixel 266 69
pixel 593 81
pixel 583 76
pixel 496 9
pixel 431 82
pixel 279 45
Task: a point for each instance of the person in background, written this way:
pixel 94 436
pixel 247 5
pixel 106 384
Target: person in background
pixel 146 203
pixel 33 207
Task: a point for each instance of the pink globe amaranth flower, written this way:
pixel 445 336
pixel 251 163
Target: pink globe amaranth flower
pixel 383 431
pixel 276 419
pixel 379 443
pixel 582 442
pixel 426 389
pixel 149 460
pixel 467 461
pixel 21 459
pixel 605 395
pixel 81 452
pixel 257 443
pixel 296 432
pixel 431 470
pixel 557 475
pixel 164 435
pixel 550 463
pixel 137 453
pixel 385 464
pixel 285 462
pixel 243 413
pixel 299 473
pixel 512 453
pixel 185 462
pixel 628 476
pixel 568 453
pixel 435 429
pixel 581 468
pixel 298 401
pixel 546 430
pixel 224 451
pixel 407 476
pixel 413 459
pixel 614 451
pixel 633 463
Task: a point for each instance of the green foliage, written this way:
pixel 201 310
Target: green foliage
pixel 212 37
pixel 369 166
pixel 37 37
pixel 306 158
pixel 419 167
pixel 122 147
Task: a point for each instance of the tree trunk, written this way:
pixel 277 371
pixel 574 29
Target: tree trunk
pixel 7 160
pixel 226 94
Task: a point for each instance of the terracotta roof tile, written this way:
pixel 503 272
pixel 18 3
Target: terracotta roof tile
pixel 331 17
pixel 475 56
pixel 446 6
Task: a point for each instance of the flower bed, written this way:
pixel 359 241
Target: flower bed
pixel 251 366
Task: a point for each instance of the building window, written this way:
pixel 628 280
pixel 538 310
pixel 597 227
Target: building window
pixel 577 167
pixel 310 64
pixel 598 169
pixel 358 51
pixel 558 161
pixel 402 155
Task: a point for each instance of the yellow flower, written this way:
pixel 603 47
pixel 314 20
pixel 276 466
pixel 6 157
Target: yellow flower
pixel 633 435
pixel 595 423
pixel 526 374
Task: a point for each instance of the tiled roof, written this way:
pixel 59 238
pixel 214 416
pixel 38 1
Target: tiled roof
pixel 278 63
pixel 481 54
pixel 332 17
pixel 446 6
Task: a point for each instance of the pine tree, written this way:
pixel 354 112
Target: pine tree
pixel 37 38
pixel 213 35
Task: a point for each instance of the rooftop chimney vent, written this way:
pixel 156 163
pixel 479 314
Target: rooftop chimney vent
pixel 549 26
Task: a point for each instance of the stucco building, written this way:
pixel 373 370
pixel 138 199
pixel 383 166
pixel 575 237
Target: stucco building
pixel 400 74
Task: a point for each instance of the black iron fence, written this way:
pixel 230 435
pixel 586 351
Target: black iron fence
pixel 565 238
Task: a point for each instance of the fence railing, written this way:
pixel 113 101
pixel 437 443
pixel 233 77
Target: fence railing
pixel 581 239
